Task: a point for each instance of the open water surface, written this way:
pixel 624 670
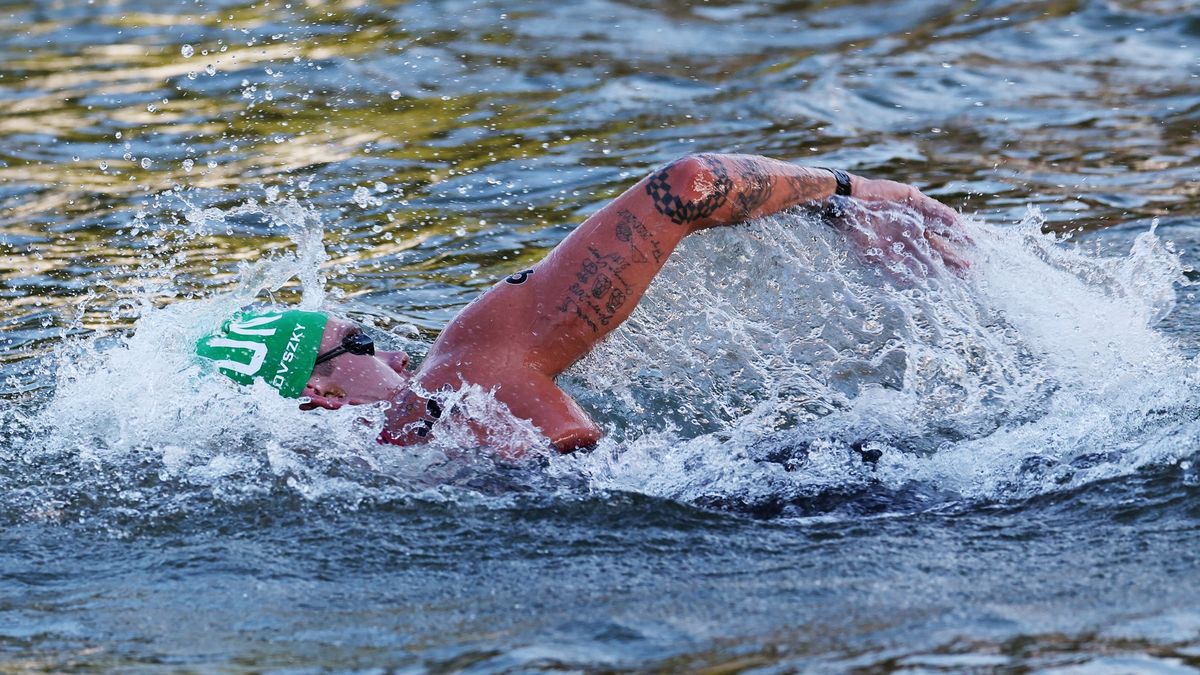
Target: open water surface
pixel 1036 504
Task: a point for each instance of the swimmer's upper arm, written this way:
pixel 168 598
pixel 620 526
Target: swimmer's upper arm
pixel 547 317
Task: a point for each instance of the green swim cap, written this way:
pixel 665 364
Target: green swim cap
pixel 279 347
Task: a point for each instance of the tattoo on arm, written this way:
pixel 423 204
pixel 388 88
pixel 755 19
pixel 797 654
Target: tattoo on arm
pixel 755 188
pixel 685 212
pixel 627 226
pixel 802 189
pixel 518 278
pixel 600 289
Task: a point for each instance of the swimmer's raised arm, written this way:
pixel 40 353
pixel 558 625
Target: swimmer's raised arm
pixel 546 318
pixel 530 327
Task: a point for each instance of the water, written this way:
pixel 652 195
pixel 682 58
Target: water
pixel 1035 504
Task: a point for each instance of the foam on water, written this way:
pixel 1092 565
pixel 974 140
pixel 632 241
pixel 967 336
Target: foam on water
pixel 760 367
pixel 134 417
pixel 765 360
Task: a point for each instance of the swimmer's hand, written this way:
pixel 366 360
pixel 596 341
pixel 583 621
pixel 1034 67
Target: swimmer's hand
pixel 897 223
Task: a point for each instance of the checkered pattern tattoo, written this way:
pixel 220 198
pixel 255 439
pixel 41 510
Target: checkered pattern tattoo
pixel 685 212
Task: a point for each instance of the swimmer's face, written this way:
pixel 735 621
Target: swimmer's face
pixel 351 379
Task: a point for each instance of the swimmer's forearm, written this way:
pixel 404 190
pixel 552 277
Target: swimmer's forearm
pixel 711 190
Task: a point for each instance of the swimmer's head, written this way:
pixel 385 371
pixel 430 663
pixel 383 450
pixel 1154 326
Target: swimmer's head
pixel 283 349
pixel 279 348
pixel 350 378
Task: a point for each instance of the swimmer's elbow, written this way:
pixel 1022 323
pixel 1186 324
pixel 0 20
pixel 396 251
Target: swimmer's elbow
pixel 691 189
pixel 690 171
pixel 576 433
pixel 692 165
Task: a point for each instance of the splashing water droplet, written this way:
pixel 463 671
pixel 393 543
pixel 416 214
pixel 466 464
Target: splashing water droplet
pixel 187 165
pixel 187 51
pixel 151 108
pixel 210 69
pixel 103 165
pixel 395 95
pixel 362 197
pixel 146 163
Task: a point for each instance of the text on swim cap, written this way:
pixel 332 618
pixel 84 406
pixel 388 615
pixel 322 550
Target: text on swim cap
pixel 289 353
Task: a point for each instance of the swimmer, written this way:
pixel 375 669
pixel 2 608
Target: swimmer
pixel 531 326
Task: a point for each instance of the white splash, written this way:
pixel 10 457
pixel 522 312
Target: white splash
pixel 122 403
pixel 766 357
pixel 758 367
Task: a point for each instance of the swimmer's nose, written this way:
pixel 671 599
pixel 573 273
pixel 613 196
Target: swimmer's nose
pixel 397 361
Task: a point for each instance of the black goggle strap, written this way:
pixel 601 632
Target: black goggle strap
pixel 336 351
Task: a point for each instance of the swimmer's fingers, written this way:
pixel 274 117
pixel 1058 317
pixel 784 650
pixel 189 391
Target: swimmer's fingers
pixel 939 217
pixel 951 252
pixel 880 240
pixel 941 220
pixel 946 223
pixel 883 239
pixel 944 228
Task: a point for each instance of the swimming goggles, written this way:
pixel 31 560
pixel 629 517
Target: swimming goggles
pixel 357 343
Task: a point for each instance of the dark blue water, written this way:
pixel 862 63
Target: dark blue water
pixel 1036 506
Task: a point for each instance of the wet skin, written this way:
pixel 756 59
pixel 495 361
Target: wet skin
pixel 351 379
pixel 526 330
